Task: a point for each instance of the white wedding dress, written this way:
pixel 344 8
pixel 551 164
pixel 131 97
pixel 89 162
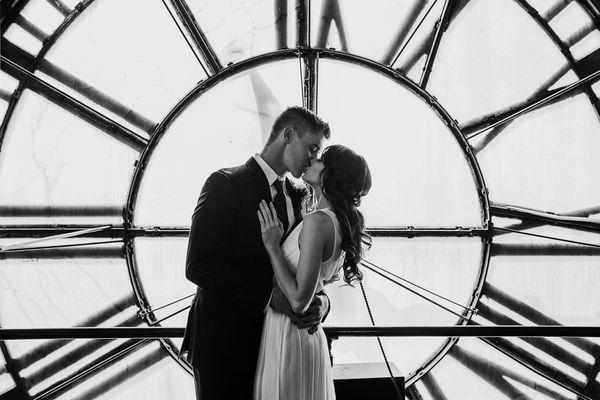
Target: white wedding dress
pixel 293 364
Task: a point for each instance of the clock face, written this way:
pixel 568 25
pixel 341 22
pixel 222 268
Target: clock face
pixel 479 121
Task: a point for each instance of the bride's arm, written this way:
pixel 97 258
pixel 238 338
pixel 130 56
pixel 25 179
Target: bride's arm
pixel 299 287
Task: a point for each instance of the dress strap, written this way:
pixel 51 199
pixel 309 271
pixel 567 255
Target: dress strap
pixel 336 229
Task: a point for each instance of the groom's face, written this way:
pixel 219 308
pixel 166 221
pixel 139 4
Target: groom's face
pixel 300 150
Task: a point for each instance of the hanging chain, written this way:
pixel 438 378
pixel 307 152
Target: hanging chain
pixel 387 363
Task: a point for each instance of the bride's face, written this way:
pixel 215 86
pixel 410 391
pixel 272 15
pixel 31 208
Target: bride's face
pixel 311 176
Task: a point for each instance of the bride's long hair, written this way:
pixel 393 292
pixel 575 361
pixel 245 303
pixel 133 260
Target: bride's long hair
pixel 344 180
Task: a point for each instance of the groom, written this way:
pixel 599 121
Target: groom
pixel 227 260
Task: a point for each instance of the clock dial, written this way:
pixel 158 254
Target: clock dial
pixel 479 120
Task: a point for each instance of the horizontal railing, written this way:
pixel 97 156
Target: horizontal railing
pixel 333 332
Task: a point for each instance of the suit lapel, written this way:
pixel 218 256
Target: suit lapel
pixel 264 192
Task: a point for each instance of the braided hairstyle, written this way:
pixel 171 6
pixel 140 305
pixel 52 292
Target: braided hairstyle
pixel 344 180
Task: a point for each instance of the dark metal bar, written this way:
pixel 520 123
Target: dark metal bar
pixel 403 30
pixel 524 358
pixel 546 218
pixel 30 28
pixel 414 31
pixel 579 34
pixel 200 40
pixel 92 368
pixel 331 12
pixel 357 331
pixel 60 211
pixel 441 26
pixel 567 89
pixel 97 96
pixel 542 249
pixel 123 375
pixel 115 231
pixel 303 23
pixel 96 319
pixel 281 19
pixel 9 10
pixel 166 305
pixel 74 355
pixel 61 253
pixel 548 237
pixel 310 84
pixel 556 9
pixel 433 387
pixel 106 124
pixel 584 212
pixel 5 95
pixel 13 370
pixel 543 344
pixel 60 246
pixel 496 375
pixel 60 6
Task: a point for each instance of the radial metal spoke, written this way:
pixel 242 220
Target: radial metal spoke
pixel 146 312
pixel 585 212
pixel 546 218
pixel 31 28
pixel 556 9
pixel 303 19
pixel 499 377
pixel 23 245
pixel 548 237
pixel 404 28
pixel 99 120
pixel 281 20
pixel 331 12
pixel 496 121
pixel 60 7
pixel 186 17
pixel 441 26
pixel 466 318
pixel 310 81
pixel 414 32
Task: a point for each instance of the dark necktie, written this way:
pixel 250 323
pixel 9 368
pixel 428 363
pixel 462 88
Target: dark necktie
pixel 280 206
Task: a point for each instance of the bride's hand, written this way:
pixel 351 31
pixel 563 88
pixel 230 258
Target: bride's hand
pixel 270 226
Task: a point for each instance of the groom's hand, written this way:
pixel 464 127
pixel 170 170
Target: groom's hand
pixel 314 314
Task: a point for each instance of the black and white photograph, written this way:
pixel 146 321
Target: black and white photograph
pixel 300 199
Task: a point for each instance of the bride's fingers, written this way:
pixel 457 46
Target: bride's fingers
pixel 266 213
pixel 273 211
pixel 261 220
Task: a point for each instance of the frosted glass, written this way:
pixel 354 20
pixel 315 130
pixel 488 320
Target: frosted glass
pixel 55 159
pixel 222 128
pixel 421 176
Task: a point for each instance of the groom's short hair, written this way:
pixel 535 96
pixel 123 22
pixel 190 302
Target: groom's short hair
pixel 302 120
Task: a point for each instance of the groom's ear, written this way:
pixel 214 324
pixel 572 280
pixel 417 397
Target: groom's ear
pixel 288 134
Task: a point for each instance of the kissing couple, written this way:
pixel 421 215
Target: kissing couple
pixel 261 250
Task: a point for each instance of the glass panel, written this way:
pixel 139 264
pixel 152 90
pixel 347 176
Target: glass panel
pixel 474 370
pixel 562 174
pixel 222 128
pixel 147 67
pixel 19 36
pixel 421 176
pixel 362 29
pixel 446 266
pixel 586 46
pixel 556 285
pixel 161 269
pixel 6 381
pixel 239 29
pixel 43 15
pixel 148 373
pixel 57 160
pixel 570 20
pixel 490 58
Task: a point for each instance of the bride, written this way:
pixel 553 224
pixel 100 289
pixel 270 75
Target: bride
pixel 293 364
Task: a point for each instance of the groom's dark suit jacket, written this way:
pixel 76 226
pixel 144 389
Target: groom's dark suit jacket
pixel 227 260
